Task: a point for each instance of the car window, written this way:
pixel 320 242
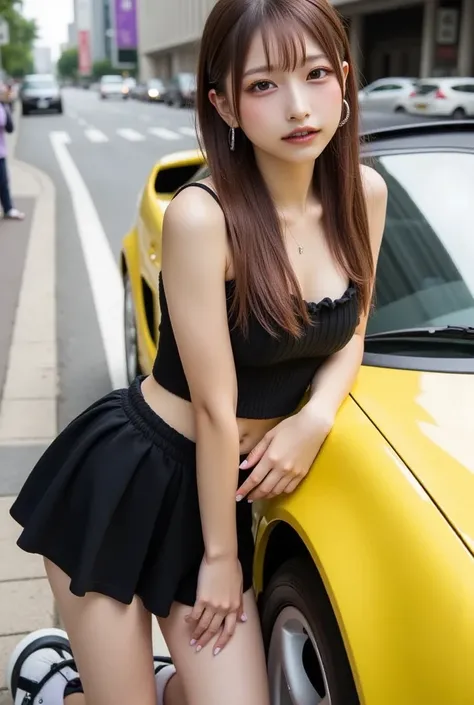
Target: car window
pixel 464 88
pixel 112 79
pixel 427 88
pixel 40 82
pixel 425 274
pixel 387 87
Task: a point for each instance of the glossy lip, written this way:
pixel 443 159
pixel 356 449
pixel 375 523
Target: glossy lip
pixel 308 128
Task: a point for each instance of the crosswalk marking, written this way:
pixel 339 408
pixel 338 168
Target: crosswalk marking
pixel 164 133
pixel 131 135
pixel 96 135
pixel 188 131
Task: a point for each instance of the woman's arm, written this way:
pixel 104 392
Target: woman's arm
pixel 284 456
pixel 193 270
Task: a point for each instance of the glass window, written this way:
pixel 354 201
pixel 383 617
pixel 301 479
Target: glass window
pixel 426 267
pixel 469 88
pixel 387 87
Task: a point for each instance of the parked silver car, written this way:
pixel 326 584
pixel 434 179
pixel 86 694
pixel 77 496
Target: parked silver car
pixel 386 94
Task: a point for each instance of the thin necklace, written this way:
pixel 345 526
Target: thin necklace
pixel 300 247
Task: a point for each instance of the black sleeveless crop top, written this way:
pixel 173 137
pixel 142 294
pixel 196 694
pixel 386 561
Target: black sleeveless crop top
pixel 273 373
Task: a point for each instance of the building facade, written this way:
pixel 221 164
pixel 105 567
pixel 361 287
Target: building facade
pixel 388 37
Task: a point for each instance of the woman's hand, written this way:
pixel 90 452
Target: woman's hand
pixel 284 456
pixel 219 604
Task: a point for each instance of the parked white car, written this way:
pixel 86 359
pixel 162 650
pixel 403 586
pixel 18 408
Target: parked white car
pixel 442 97
pixel 386 94
pixel 111 86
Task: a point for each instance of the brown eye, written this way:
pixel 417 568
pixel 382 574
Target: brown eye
pixel 261 86
pixel 318 74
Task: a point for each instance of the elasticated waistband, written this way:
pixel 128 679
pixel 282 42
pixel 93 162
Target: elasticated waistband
pixel 154 427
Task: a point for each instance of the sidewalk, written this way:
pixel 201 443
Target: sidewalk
pixel 28 391
pixel 28 395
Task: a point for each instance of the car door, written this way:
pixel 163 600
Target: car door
pixel 384 97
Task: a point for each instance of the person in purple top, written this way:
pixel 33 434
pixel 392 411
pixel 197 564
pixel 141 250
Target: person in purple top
pixel 9 211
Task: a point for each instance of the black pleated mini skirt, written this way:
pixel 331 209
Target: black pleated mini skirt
pixel 113 502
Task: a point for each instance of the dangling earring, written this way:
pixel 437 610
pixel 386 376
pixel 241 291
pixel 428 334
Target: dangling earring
pixel 232 139
pixel 345 120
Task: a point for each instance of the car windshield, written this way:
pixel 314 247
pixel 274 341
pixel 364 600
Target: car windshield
pixel 112 79
pixel 425 274
pixel 188 81
pixel 155 83
pixel 40 82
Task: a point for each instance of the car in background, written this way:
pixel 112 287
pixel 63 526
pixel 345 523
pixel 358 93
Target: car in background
pixel 181 90
pixel 111 87
pixel 152 91
pixel 40 92
pixel 364 575
pixel 442 97
pixel 128 86
pixel 386 94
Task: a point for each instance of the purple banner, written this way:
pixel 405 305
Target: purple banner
pixel 126 24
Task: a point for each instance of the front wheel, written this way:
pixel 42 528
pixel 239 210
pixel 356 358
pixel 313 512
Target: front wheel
pixel 307 661
pixel 131 334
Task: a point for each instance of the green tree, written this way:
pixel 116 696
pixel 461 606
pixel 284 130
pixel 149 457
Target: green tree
pixel 17 56
pixel 104 68
pixel 68 63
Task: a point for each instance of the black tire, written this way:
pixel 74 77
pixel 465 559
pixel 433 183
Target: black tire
pixel 24 110
pixel 400 109
pixel 296 589
pixel 60 109
pixel 132 361
pixel 459 114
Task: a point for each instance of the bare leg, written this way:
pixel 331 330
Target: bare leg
pixel 236 676
pixel 111 642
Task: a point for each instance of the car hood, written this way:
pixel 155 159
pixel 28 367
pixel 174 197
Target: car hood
pixel 41 92
pixel 428 418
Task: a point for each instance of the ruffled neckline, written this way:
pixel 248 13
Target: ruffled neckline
pixel 315 307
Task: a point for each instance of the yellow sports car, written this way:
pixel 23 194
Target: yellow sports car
pixel 365 575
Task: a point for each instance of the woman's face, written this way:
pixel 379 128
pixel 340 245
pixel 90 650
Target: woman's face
pixel 275 103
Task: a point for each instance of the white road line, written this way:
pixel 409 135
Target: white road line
pixel 188 131
pixel 102 268
pixel 131 135
pixel 164 133
pixel 96 135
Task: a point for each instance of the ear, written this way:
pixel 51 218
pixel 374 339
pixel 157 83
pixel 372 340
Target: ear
pixel 345 73
pixel 221 104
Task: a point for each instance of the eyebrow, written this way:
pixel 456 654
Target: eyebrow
pixel 263 69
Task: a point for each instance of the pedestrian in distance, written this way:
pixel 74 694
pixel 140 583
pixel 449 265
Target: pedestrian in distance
pixel 6 127
pixel 143 504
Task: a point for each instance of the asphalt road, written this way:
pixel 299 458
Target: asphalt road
pixel 98 154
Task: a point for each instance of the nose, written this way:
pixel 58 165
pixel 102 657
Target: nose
pixel 299 109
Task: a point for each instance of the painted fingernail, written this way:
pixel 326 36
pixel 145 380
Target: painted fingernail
pixel 250 501
pixel 239 498
pixel 244 464
pixel 244 617
pixel 217 652
pixel 192 642
pixel 198 649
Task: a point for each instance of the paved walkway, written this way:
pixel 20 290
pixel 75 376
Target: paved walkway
pixel 28 394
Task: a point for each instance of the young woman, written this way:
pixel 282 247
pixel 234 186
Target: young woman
pixel 143 504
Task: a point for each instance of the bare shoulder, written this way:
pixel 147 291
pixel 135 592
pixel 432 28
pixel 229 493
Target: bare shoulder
pixel 194 209
pixel 374 185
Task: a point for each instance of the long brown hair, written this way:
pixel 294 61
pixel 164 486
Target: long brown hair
pixel 264 276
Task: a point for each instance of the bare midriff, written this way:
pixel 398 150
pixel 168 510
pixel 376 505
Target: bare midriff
pixel 178 413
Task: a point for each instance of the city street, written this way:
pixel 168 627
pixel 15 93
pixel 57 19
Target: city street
pixel 77 177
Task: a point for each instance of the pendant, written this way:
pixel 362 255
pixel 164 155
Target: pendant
pixel 300 249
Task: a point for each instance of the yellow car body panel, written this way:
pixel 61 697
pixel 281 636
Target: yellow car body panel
pixel 386 512
pixel 399 579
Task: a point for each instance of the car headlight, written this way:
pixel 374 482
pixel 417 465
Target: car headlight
pixel 153 93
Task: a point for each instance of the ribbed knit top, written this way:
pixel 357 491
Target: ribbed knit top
pixel 273 373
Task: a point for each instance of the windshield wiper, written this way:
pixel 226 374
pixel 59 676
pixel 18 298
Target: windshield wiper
pixel 435 332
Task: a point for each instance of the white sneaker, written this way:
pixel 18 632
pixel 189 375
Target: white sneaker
pixel 40 668
pixel 164 672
